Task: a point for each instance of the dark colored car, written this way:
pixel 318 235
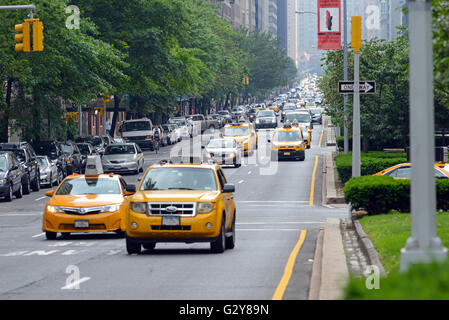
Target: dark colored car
pixel 266 119
pixel 10 176
pixel 317 115
pixel 52 150
pixel 107 139
pixel 27 158
pixel 73 156
pixel 86 149
pixel 252 114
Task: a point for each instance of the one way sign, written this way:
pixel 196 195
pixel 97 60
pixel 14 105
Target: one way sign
pixel 365 87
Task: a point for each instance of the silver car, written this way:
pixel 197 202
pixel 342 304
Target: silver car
pixel 123 157
pixel 224 151
pixel 49 173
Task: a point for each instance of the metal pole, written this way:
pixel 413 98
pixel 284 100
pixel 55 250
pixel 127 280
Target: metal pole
pixel 423 245
pixel 345 77
pixel 356 119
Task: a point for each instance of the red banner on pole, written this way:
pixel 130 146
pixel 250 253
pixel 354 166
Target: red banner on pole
pixel 329 24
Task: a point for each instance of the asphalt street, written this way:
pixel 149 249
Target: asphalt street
pixel 277 204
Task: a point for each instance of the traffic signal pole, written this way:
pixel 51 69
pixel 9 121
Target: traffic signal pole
pixel 423 245
pixel 356 29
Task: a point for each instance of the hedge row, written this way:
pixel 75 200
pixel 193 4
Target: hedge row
pixel 381 194
pixel 372 163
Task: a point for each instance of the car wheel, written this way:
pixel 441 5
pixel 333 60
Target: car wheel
pixel 19 192
pixel 120 233
pixel 230 241
pixel 133 247
pixel 219 245
pixel 27 186
pixel 50 235
pixel 9 195
pixel 37 182
pixel 149 246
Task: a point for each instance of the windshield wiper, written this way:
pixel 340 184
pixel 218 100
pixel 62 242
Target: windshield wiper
pixel 180 189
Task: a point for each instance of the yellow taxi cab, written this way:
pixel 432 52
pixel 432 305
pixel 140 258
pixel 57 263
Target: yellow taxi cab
pixel 244 134
pixel 178 201
pixel 92 202
pixel 275 108
pixel 287 142
pixel 306 135
pixel 404 171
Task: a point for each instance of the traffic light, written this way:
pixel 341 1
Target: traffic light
pixel 106 99
pixel 22 37
pixel 245 80
pixel 99 112
pixel 356 33
pixel 38 35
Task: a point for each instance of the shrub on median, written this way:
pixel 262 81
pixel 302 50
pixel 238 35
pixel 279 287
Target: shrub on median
pixel 381 194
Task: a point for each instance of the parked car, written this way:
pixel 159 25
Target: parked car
pixel 181 122
pixel 53 151
pixel 50 175
pixel 172 133
pixel 123 157
pixel 74 157
pixel 10 176
pixel 108 139
pixel 27 158
pixel 86 149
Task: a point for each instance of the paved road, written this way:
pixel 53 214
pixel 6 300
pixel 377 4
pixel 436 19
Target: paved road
pixel 273 212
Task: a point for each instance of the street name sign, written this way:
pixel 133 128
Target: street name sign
pixel 365 87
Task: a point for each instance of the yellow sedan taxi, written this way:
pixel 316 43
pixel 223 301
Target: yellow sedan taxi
pixel 287 142
pixel 93 202
pixel 182 202
pixel 244 134
pixel 404 171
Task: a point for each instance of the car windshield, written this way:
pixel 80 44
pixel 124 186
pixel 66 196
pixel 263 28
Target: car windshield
pixel 3 163
pixel 287 136
pixel 46 150
pixel 221 143
pixel 42 161
pixel 95 141
pixel 84 149
pixel 88 186
pixel 179 179
pixel 120 149
pixel 236 131
pixel 299 117
pixel 66 148
pixel 266 113
pixel 20 154
pixel 179 122
pixel 315 111
pixel 136 126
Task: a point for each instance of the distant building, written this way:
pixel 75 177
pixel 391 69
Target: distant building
pixel 266 16
pixel 287 27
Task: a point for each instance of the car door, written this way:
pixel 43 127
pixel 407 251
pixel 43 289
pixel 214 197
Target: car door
pixel 140 155
pixel 227 198
pixel 15 173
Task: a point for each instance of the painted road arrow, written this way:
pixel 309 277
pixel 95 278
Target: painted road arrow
pixel 365 87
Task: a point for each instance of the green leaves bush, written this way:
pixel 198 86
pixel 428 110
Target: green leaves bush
pixel 372 163
pixel 381 194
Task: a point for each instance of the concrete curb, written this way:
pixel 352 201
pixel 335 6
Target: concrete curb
pixel 334 269
pixel 367 245
pixel 315 279
pixel 329 189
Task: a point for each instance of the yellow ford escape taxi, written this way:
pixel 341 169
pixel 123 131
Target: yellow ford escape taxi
pixel 182 202
pixel 93 202
pixel 244 134
pixel 287 142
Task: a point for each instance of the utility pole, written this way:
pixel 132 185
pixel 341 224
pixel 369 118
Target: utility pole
pixel 356 22
pixel 345 77
pixel 423 245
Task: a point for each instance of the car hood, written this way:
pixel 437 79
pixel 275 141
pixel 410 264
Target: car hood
pixel 221 150
pixel 3 174
pixel 118 157
pixel 175 196
pixel 88 200
pixel 136 133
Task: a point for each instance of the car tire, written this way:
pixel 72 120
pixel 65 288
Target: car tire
pixel 27 187
pixel 149 246
pixel 120 233
pixel 219 245
pixel 230 241
pixel 133 247
pixel 50 235
pixel 10 194
pixel 37 182
pixel 19 193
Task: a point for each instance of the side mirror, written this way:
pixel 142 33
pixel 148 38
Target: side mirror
pixel 228 188
pixel 130 189
pixel 50 193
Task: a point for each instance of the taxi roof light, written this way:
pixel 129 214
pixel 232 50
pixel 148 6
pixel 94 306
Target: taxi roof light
pixel 94 166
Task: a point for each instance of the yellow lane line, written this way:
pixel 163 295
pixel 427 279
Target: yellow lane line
pixel 312 186
pixel 321 137
pixel 279 293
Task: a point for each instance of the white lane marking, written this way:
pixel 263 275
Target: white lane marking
pixel 287 222
pixel 19 214
pixel 40 198
pixel 75 284
pixel 60 244
pixel 249 172
pixel 38 235
pixel 241 181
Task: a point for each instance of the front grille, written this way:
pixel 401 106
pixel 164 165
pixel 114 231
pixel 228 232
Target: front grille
pixel 287 147
pixel 117 161
pixel 136 138
pixel 181 209
pixel 82 211
pixel 183 228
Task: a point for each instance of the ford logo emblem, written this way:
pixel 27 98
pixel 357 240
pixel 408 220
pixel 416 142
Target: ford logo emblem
pixel 171 209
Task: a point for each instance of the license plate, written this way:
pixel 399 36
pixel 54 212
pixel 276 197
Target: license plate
pixel 286 153
pixel 170 221
pixel 81 223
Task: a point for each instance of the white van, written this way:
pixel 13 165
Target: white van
pixel 139 131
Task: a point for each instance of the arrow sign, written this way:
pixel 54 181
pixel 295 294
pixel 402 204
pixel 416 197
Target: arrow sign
pixel 365 87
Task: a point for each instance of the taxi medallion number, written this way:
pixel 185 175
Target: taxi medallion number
pixel 81 223
pixel 170 221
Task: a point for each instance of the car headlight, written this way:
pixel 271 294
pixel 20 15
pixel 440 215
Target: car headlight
pixel 111 208
pixel 257 121
pixel 232 155
pixel 4 181
pixel 273 120
pixel 205 207
pixel 54 209
pixel 139 207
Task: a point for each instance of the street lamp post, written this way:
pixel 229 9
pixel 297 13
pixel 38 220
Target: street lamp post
pixel 423 245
